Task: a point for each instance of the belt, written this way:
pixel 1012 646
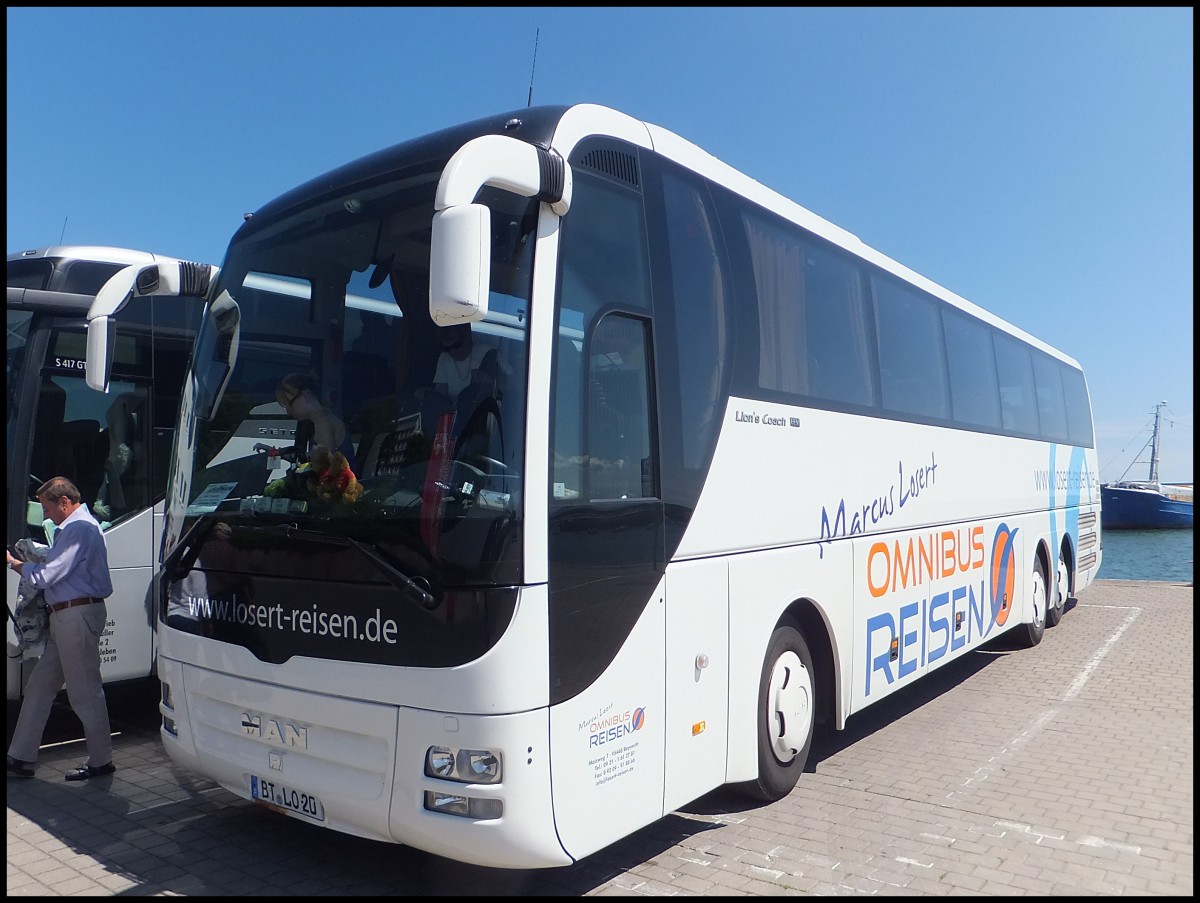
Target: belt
pixel 71 603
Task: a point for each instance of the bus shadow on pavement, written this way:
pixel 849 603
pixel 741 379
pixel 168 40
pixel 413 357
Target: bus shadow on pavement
pixel 829 742
pixel 168 832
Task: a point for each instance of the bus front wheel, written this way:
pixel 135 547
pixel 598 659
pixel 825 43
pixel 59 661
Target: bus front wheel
pixel 786 713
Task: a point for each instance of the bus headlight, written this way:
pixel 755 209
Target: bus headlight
pixel 464 806
pixel 447 803
pixel 482 766
pixel 439 762
pixel 168 705
pixel 467 766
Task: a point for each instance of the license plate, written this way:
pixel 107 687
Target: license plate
pixel 289 798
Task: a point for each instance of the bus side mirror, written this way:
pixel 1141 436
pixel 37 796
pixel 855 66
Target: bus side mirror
pixel 101 345
pixel 460 264
pixel 174 278
pixel 461 244
pixel 101 340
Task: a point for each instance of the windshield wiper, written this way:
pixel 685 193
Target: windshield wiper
pixel 398 578
pixel 411 589
pixel 183 557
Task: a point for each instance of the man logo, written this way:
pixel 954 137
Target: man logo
pixel 254 725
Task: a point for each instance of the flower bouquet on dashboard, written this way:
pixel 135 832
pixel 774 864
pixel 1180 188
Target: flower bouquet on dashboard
pixel 326 476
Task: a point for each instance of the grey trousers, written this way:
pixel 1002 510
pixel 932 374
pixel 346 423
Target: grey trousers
pixel 72 656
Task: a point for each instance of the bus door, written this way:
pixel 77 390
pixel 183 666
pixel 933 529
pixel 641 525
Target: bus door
pixel 608 577
pixel 694 596
pixel 606 563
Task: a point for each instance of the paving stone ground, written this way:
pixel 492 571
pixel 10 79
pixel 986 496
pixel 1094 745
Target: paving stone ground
pixel 1061 770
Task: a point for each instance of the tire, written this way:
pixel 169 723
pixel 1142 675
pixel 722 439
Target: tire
pixel 787 700
pixel 1062 584
pixel 1030 634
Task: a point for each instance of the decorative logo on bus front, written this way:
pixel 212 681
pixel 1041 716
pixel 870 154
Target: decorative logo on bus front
pixel 267 728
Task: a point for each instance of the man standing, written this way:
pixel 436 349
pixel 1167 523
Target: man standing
pixel 75 580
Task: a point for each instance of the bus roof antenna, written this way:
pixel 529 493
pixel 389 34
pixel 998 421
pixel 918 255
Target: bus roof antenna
pixel 529 102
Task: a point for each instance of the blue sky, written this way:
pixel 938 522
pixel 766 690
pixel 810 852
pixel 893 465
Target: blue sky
pixel 1036 161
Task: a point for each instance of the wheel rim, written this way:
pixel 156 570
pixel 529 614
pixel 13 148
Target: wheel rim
pixel 790 700
pixel 1039 598
pixel 1061 580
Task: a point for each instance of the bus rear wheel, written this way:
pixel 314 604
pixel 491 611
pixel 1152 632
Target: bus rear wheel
pixel 1062 583
pixel 786 713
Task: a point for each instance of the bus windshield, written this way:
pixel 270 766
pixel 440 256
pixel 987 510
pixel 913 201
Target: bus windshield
pixel 344 411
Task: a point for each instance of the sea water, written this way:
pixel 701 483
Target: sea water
pixel 1147 555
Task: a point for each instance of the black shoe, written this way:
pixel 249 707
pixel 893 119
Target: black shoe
pixel 83 772
pixel 20 769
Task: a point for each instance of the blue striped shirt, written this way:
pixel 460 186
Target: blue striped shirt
pixel 76 564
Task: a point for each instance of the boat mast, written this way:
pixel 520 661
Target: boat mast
pixel 1154 442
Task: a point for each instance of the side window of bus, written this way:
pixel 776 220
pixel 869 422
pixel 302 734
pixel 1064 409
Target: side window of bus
pixel 700 317
pixel 605 265
pixel 912 360
pixel 30 273
pixel 86 277
pixel 1018 402
pixel 1052 407
pixel 619 452
pixel 815 336
pixel 974 393
pixel 1079 409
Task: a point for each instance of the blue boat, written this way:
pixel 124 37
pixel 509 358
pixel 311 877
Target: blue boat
pixel 1147 504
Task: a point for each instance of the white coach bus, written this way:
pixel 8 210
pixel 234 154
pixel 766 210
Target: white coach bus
pixel 115 447
pixel 731 475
